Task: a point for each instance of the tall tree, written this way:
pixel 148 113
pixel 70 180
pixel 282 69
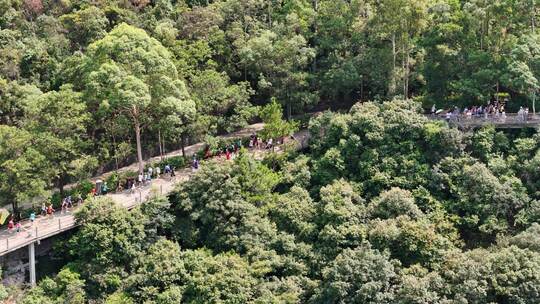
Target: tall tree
pixel 58 121
pixel 279 62
pixel 401 22
pixel 274 125
pixel 131 73
pixel 23 174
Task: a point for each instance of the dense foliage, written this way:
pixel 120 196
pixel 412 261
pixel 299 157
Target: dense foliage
pixel 102 83
pixel 386 207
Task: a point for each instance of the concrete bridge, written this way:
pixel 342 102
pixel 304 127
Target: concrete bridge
pixel 44 227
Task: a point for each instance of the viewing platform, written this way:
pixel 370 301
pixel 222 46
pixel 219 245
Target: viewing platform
pixel 508 121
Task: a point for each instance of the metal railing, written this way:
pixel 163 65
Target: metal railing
pixel 47 226
pixel 482 119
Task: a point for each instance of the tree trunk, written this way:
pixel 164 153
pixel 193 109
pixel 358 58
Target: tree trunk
pixel 61 185
pixel 534 103
pixel 160 146
pixel 115 154
pixel 392 81
pixel 139 147
pixel 316 31
pixel 270 13
pixel 394 54
pixel 407 71
pixel 362 88
pixel 533 20
pixel 183 145
pixel 404 73
pixel 497 98
pixel 163 148
pixel 15 207
pixel 289 110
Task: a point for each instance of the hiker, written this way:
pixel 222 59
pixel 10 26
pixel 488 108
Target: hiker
pixel 32 217
pixel 50 211
pixel 64 206
pixel 140 179
pixel 79 200
pixel 158 171
pixel 18 227
pixel 172 171
pixel 150 171
pixel 167 169
pixel 227 154
pixel 233 150
pixel 11 224
pixel 104 189
pixel 43 209
pixel 194 164
pixel 269 143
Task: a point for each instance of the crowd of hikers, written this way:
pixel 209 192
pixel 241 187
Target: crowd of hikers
pixel 492 110
pixel 228 152
pixel 47 212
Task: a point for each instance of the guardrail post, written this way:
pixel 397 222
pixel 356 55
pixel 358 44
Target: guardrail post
pixel 36 233
pixel 7 243
pixel 59 225
pixel 140 196
pixel 161 189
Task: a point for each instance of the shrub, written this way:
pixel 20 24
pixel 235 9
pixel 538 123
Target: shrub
pixel 112 181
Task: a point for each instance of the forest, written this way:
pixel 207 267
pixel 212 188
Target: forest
pixel 89 86
pixel 385 206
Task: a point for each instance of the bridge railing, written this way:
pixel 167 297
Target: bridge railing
pixel 13 240
pixel 482 119
pixel 47 226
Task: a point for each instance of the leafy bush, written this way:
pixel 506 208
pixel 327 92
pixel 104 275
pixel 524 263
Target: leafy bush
pixel 112 182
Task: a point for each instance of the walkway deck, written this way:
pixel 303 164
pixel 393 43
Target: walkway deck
pixel 44 228
pixel 511 121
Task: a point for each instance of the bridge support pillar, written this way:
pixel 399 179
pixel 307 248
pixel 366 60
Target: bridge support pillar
pixel 32 263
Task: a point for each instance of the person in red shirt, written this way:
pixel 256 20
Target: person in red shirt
pixel 11 225
pixel 50 211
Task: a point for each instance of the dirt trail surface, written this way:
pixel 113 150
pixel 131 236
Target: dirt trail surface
pixel 45 227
